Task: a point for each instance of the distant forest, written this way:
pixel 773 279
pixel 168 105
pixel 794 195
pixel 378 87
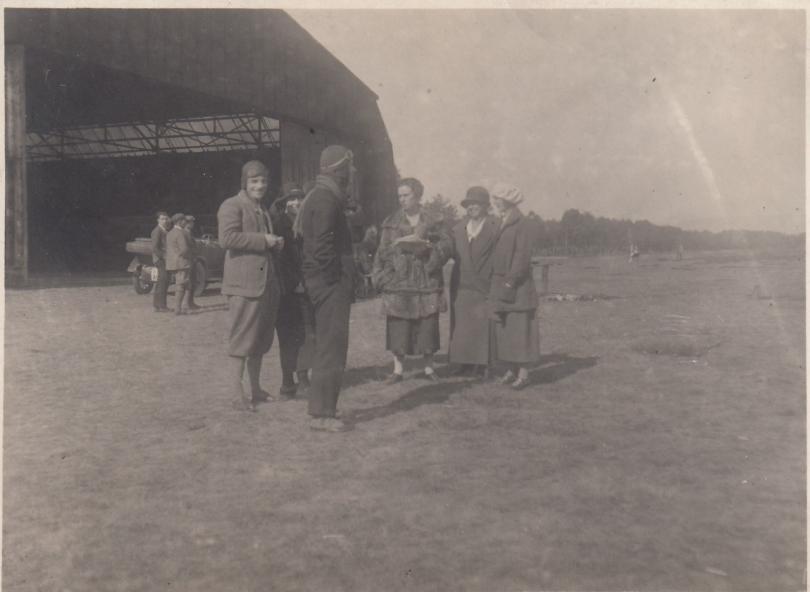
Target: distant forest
pixel 582 233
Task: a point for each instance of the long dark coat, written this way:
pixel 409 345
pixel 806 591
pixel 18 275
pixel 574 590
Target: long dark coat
pixel 513 288
pixel 469 291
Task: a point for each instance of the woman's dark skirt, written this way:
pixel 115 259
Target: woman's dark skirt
pixel 412 337
pixel 516 339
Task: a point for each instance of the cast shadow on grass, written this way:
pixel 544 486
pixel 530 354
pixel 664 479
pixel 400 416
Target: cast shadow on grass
pixel 551 368
pixel 554 367
pixel 429 394
pixel 365 374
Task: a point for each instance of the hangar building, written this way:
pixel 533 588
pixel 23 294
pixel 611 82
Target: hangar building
pixel 114 114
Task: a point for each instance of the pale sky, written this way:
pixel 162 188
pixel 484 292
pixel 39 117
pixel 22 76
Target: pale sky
pixel 693 118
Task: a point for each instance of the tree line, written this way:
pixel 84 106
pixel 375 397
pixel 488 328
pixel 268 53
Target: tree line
pixel 582 233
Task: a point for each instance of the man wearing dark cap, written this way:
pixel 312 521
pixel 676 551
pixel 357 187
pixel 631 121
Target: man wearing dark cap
pixel 178 259
pixel 192 279
pixel 296 324
pixel 474 240
pixel 249 281
pixel 328 269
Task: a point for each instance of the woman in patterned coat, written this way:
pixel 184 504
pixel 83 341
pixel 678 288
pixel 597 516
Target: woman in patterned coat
pixel 408 270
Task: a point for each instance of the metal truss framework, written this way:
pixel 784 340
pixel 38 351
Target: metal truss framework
pixel 217 133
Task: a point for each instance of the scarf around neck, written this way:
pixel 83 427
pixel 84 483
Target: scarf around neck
pixel 324 182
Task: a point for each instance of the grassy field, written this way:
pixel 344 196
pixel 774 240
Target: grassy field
pixel 660 447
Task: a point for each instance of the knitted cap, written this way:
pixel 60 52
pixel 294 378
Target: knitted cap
pixel 508 193
pixel 253 168
pixel 335 158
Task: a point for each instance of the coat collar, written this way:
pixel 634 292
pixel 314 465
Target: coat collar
pixel 512 217
pixel 399 218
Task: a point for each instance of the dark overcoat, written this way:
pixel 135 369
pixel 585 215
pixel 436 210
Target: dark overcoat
pixel 469 292
pixel 513 288
pixel 249 264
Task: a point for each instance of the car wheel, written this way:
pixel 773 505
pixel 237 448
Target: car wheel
pixel 200 277
pixel 141 286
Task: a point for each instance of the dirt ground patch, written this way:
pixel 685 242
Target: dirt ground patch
pixel 125 468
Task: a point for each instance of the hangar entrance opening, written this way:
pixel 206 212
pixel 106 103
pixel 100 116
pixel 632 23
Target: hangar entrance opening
pixel 94 183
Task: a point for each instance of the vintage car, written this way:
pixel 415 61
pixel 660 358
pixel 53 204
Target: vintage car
pixel 208 262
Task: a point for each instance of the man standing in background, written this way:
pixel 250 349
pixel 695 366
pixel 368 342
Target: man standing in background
pixel 328 269
pixel 159 259
pixel 178 259
pixel 189 228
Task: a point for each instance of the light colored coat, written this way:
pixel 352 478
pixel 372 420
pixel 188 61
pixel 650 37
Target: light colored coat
pixel 179 250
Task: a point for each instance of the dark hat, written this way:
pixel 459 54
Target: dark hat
pixel 253 168
pixel 476 195
pixel 335 158
pixel 178 218
pixel 289 190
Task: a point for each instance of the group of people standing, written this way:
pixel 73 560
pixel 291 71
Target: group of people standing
pixel 173 247
pixel 493 300
pixel 290 269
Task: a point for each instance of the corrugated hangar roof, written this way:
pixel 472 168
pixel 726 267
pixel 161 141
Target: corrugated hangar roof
pixel 252 60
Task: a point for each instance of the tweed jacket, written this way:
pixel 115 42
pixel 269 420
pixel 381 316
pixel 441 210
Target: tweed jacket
pixel 249 264
pixel 158 243
pixel 473 268
pixel 513 287
pixel 178 249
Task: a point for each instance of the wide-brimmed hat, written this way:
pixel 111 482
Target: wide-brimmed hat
pixel 508 193
pixel 476 195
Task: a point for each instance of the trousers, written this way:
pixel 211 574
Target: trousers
pixel 332 306
pixel 161 286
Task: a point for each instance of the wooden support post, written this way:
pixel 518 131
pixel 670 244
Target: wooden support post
pixel 544 277
pixel 16 177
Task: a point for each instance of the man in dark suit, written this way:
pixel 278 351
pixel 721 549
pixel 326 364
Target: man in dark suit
pixel 192 279
pixel 249 280
pixel 159 259
pixel 178 259
pixel 328 269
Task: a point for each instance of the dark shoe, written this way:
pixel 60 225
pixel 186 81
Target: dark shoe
pixel 287 391
pixel 262 397
pixel 431 376
pixel 463 370
pixel 393 379
pixel 242 404
pixel 303 379
pixel 484 374
pixel 162 309
pixel 520 383
pixel 194 307
pixel 179 312
pixel 327 424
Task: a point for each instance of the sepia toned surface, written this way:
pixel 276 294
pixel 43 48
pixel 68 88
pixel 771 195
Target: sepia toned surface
pixel 661 446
